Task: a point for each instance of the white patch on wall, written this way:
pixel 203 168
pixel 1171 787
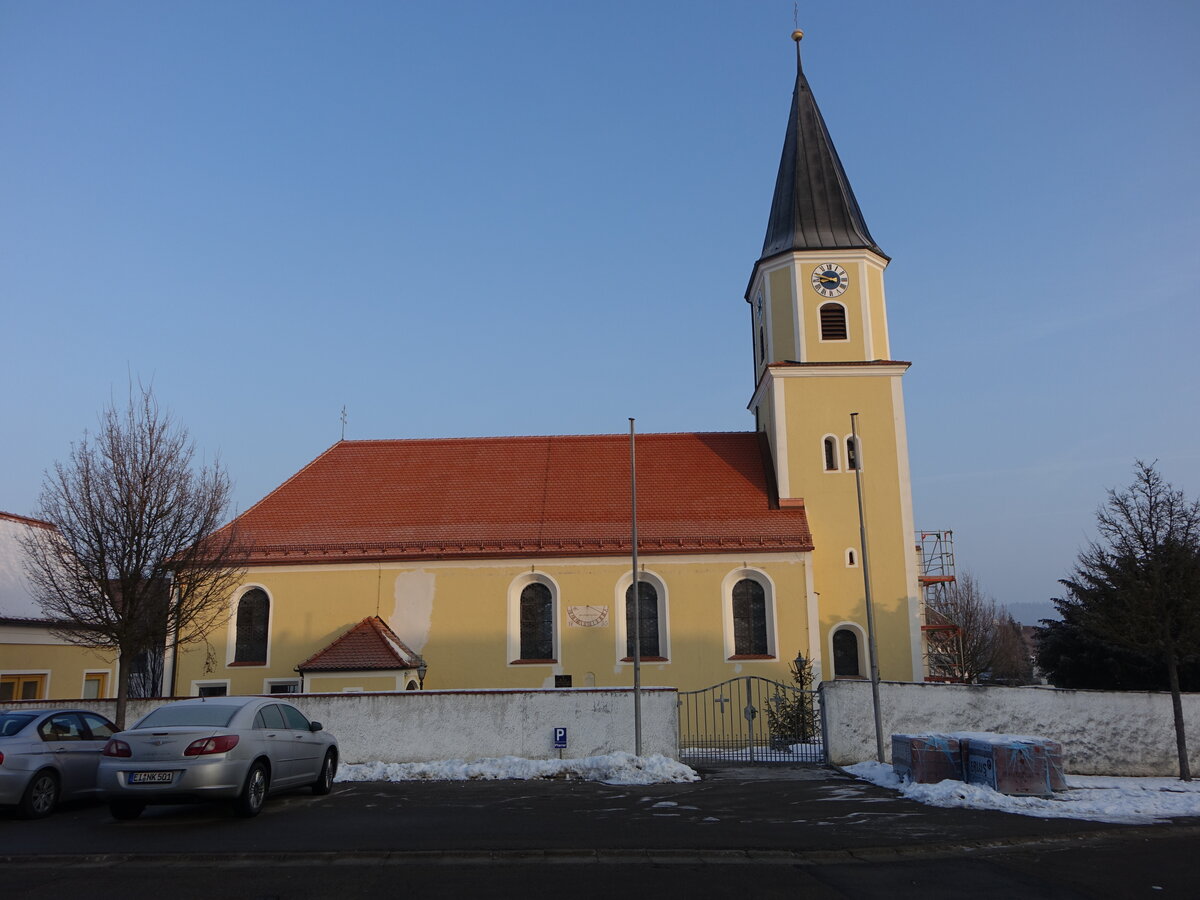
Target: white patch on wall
pixel 413 614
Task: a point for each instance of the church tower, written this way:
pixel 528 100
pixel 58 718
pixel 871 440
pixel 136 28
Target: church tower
pixel 821 353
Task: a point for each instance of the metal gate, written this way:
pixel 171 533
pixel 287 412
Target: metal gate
pixel 750 720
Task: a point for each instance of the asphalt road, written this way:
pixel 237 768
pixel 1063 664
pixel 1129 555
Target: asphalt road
pixel 764 832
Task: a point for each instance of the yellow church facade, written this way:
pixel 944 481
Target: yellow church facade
pixel 506 562
pixel 465 620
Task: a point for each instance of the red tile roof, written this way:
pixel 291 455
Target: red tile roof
pixel 525 497
pixel 369 645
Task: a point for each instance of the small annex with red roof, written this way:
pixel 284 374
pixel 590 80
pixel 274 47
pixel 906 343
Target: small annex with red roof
pixel 369 647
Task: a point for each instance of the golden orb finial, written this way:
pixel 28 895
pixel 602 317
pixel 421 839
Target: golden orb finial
pixel 797 35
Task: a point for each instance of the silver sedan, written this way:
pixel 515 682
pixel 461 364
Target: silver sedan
pixel 216 748
pixel 48 755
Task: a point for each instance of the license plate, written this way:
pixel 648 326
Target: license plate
pixel 150 777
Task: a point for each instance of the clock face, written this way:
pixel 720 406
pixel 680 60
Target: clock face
pixel 830 280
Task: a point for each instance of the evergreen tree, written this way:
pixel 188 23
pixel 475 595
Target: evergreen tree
pixel 1138 589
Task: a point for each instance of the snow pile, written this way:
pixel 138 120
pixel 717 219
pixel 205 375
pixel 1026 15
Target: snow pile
pixel 613 768
pixel 1129 801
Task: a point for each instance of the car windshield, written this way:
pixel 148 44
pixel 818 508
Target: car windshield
pixel 11 723
pixel 197 714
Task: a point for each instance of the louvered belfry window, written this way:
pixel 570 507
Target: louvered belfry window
pixel 647 608
pixel 251 646
pixel 833 322
pixel 749 618
pixel 537 622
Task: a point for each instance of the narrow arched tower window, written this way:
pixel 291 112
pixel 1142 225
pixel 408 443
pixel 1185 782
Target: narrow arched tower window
pixel 833 322
pixel 851 453
pixel 845 654
pixel 537 622
pixel 252 612
pixel 647 611
pixel 831 454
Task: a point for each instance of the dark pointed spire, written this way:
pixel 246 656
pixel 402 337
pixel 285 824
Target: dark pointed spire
pixel 814 207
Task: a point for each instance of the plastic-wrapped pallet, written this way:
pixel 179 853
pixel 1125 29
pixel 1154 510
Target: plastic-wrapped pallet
pixel 1014 765
pixel 1054 765
pixel 927 758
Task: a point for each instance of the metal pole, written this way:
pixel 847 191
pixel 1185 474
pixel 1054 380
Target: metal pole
pixel 172 592
pixel 862 535
pixel 637 601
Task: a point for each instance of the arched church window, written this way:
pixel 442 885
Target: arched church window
pixel 845 654
pixel 537 622
pixel 251 627
pixel 831 454
pixel 647 616
pixel 833 322
pixel 749 618
pixel 852 453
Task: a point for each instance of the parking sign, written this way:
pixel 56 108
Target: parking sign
pixel 560 738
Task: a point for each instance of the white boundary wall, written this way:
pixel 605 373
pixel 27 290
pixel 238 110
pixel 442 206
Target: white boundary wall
pixel 425 726
pixel 1102 732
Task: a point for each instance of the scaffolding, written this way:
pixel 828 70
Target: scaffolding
pixel 943 638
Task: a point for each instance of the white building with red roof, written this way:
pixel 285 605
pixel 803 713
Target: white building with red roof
pixel 35 663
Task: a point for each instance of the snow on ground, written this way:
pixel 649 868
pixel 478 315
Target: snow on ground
pixel 613 768
pixel 1100 798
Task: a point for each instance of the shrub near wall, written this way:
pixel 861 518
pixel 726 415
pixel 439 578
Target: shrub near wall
pixel 426 726
pixel 1102 732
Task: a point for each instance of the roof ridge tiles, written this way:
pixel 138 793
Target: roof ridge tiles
pixel 460 439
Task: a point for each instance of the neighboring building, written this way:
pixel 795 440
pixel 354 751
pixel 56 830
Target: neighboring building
pixel 505 562
pixel 35 664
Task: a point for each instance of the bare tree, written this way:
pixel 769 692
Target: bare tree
pixel 134 556
pixel 972 647
pixel 1013 662
pixel 1140 589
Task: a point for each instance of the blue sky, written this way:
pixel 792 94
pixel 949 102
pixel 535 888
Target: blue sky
pixel 539 217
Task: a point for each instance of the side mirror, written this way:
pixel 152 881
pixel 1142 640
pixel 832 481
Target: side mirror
pixel 314 726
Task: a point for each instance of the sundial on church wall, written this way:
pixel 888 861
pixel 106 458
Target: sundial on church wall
pixel 588 616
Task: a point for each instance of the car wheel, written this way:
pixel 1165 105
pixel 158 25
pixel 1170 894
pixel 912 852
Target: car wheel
pixel 125 810
pixel 254 792
pixel 324 782
pixel 41 795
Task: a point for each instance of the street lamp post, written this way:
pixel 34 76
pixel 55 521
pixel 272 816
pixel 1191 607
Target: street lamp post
pixel 866 567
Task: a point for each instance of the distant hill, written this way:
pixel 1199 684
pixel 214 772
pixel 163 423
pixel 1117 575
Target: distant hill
pixel 1032 613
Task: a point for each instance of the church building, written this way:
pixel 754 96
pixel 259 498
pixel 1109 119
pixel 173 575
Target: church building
pixel 505 562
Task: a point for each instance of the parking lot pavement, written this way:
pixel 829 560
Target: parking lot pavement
pixel 772 832
pixel 798 812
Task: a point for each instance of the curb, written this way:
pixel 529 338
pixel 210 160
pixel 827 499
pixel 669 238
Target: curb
pixel 609 857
